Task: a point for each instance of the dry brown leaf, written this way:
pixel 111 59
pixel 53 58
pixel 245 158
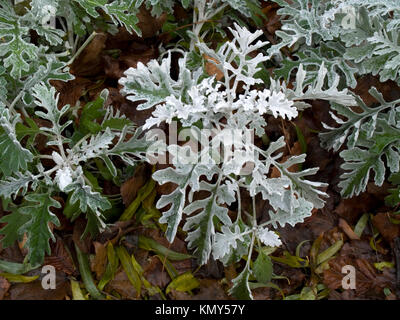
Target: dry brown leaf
pixel 89 63
pixel 71 91
pixel 212 69
pixel 60 258
pixel 4 286
pixel 386 228
pixel 130 188
pixel 99 263
pixel 122 285
pixel 35 291
pixel 369 282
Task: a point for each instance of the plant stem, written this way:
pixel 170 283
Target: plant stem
pixel 16 99
pixel 85 44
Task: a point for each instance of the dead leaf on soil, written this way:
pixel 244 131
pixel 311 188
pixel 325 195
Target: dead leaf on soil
pixel 130 188
pixel 99 263
pixel 122 285
pixel 4 286
pixel 60 258
pixel 35 291
pixel 89 63
pixel 386 227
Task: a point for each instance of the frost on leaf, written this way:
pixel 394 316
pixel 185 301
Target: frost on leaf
pixel 152 84
pixel 200 223
pixel 90 202
pixel 216 105
pixel 18 156
pixel 64 177
pixel 12 185
pixel 268 237
pixel 364 158
pixel 226 240
pixel 38 228
pixel 349 129
pixel 16 51
pixel 241 289
pixel 315 90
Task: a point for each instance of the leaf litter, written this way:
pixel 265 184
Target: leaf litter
pixel 133 260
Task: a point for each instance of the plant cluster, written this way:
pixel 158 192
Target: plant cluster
pixel 331 46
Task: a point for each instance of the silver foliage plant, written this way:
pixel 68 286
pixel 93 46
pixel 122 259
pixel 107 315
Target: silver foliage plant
pixel 352 38
pixel 25 175
pixel 31 182
pixel 208 182
pixel 220 112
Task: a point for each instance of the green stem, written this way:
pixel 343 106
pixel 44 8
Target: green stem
pixel 16 99
pixel 85 44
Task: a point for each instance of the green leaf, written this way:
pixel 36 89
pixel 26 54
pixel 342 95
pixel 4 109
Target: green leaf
pixel 15 156
pixel 87 198
pixel 351 128
pixel 48 99
pixel 152 245
pixel 331 54
pixel 185 3
pixel 121 12
pixel 142 194
pixel 76 291
pixel 124 13
pixel 361 224
pixel 91 5
pixel 330 252
pixel 17 52
pixel 10 187
pixel 111 268
pixel 130 271
pixel 385 264
pixel 129 150
pixel 16 278
pixel 37 227
pixel 43 72
pixel 12 231
pixel 92 111
pixel 241 289
pixel 241 6
pixel 86 274
pixel 359 162
pixel 90 202
pixel 32 130
pixel 184 282
pixel 16 268
pixel 262 268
